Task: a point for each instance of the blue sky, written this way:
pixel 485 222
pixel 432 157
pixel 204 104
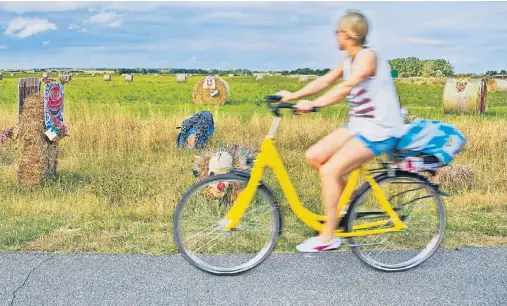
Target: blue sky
pixel 253 35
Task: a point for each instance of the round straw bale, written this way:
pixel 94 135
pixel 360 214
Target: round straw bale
pixel 93 74
pixel 107 77
pixel 465 96
pixel 303 78
pixel 495 85
pixel 12 74
pixel 455 177
pixel 181 78
pixel 231 75
pixel 203 95
pixel 129 78
pixel 259 77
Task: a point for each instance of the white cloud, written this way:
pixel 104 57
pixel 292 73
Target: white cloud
pixel 47 42
pixel 39 6
pixel 110 19
pixel 24 27
pixel 78 27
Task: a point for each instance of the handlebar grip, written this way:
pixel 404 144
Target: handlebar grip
pixel 285 105
pixel 273 98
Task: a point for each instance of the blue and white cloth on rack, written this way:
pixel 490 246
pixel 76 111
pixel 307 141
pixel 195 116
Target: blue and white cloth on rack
pixel 431 137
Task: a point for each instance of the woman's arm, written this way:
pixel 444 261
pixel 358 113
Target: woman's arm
pixel 315 86
pixel 366 68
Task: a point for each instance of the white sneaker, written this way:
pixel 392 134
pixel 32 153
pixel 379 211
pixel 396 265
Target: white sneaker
pixel 315 244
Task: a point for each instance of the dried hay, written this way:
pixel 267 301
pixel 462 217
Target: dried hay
pixel 455 177
pixel 203 95
pixel 465 96
pixel 65 77
pixel 259 77
pixel 230 75
pixel 497 85
pixel 409 118
pixel 39 157
pixel 240 157
pixel 303 78
pixel 181 78
pixel 436 81
pixel 129 78
pixel 12 74
pixel 93 75
pixel 107 77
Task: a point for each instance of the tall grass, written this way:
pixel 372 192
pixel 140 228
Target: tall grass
pixel 121 173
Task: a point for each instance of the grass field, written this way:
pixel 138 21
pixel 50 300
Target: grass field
pixel 121 173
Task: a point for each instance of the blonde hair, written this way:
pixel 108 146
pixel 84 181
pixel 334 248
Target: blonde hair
pixel 355 25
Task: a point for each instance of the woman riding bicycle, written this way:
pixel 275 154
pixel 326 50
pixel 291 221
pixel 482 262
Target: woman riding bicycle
pixel 375 122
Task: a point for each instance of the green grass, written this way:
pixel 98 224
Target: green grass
pixel 121 174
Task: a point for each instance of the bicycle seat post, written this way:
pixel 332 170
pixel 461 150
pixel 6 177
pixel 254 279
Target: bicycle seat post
pixel 274 127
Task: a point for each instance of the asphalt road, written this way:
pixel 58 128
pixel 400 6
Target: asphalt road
pixel 475 276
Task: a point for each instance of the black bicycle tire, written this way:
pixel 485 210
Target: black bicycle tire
pixel 365 188
pixel 267 195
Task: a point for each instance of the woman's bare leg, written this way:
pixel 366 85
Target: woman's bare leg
pixel 348 158
pixel 320 152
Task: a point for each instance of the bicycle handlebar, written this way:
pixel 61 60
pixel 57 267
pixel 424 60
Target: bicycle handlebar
pixel 275 99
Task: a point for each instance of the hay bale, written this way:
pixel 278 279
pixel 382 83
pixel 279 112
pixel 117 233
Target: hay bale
pixel 455 177
pixel 181 78
pixel 259 77
pixel 497 85
pixel 465 96
pixel 93 75
pixel 156 75
pixel 230 75
pixel 303 78
pixel 129 78
pixel 240 157
pixel 107 77
pixel 12 74
pixel 65 77
pixel 204 95
pixel 39 157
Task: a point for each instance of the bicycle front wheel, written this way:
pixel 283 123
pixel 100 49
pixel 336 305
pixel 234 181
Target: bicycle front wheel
pixel 417 204
pixel 199 233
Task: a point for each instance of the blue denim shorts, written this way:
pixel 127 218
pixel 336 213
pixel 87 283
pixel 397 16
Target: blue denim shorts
pixel 378 147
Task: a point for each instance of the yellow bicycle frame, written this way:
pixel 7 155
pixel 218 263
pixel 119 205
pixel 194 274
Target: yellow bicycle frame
pixel 269 157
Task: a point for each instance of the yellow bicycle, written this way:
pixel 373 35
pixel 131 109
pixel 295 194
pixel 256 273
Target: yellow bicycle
pixel 230 223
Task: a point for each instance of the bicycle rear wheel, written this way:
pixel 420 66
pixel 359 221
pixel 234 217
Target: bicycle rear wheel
pixel 417 204
pixel 198 226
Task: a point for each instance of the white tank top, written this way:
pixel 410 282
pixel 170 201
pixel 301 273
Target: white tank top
pixel 374 105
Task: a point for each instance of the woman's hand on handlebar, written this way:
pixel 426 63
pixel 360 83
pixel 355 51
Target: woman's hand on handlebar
pixel 286 96
pixel 304 106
